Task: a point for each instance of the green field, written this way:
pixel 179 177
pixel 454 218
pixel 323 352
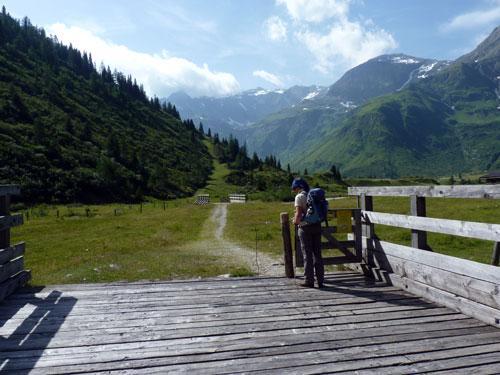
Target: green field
pixel 154 244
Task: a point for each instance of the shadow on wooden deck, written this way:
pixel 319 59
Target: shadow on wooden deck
pixel 227 326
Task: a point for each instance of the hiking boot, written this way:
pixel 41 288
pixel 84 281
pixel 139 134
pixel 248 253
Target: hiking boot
pixel 306 285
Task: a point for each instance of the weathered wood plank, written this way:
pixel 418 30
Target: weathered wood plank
pixel 484 231
pixel 445 262
pixel 480 291
pixel 11 221
pixel 11 268
pixel 14 282
pixel 269 358
pixel 12 252
pixel 9 190
pixel 442 191
pixel 479 311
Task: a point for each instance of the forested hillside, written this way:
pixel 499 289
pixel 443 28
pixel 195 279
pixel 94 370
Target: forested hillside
pixel 71 132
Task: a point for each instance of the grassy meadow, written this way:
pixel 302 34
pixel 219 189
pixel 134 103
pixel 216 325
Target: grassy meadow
pixel 116 242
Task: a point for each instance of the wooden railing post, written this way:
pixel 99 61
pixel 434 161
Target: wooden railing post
pixel 287 245
pixel 5 211
pixel 366 203
pixel 418 237
pixel 495 258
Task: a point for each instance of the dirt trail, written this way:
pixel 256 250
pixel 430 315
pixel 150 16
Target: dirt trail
pixel 213 240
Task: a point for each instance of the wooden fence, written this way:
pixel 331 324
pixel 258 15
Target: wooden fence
pixel 12 273
pixel 202 199
pixel 466 286
pixel 237 198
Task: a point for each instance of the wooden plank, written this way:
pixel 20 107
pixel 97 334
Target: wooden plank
pixel 11 221
pixel 480 291
pixel 346 338
pixel 479 311
pixel 314 362
pixel 445 262
pixel 483 231
pixel 11 252
pixel 10 190
pixel 440 191
pixel 268 358
pixel 11 268
pixel 14 282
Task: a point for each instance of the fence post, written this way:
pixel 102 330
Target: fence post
pixel 495 259
pixel 287 245
pixel 418 237
pixel 4 211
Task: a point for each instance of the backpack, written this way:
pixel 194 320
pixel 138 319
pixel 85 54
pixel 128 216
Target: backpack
pixel 317 206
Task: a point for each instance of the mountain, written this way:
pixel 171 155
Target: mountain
pixel 228 115
pixel 71 133
pixel 382 75
pixel 293 131
pixel 447 123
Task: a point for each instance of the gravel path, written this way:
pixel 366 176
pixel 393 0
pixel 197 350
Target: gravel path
pixel 213 240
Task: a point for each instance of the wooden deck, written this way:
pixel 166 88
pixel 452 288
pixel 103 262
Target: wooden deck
pixel 266 325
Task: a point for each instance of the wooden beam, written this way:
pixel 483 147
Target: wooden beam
pixel 495 258
pixel 287 245
pixel 418 237
pixel 9 190
pixel 11 268
pixel 441 191
pixel 460 266
pixel 10 285
pixel 5 211
pixel 11 252
pixel 483 231
pixel 479 311
pixel 10 221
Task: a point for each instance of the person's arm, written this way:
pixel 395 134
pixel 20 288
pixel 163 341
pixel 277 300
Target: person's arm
pixel 299 214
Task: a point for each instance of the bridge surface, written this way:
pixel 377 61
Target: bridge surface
pixel 267 325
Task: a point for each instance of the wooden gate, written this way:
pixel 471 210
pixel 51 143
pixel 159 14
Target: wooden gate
pixel 341 221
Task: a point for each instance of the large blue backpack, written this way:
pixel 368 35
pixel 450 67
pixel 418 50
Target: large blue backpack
pixel 317 206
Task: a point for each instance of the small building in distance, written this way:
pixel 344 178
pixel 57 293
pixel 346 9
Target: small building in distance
pixel 492 177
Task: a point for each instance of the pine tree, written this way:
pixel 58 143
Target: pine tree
pixel 305 172
pixel 288 169
pixel 209 133
pixel 200 129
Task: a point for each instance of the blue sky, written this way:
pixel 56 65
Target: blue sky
pixel 220 47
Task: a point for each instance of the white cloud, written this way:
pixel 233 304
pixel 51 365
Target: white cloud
pixel 474 20
pixel 346 44
pixel 160 74
pixel 269 77
pixel 315 10
pixel 275 29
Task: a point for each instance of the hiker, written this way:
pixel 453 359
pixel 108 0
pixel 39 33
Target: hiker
pixel 309 235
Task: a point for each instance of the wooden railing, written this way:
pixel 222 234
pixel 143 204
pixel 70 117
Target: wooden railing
pixel 237 198
pixel 12 273
pixel 470 287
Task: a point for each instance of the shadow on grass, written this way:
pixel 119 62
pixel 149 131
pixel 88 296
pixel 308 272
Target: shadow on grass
pixel 21 350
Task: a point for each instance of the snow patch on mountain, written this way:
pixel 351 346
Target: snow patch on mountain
pixel 348 104
pixel 311 95
pixel 404 60
pixel 425 69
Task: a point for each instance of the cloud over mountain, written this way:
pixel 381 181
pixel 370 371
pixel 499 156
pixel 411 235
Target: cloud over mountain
pixel 161 74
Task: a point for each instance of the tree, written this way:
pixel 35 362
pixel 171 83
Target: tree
pixel 209 133
pixel 288 169
pixel 305 172
pixel 200 129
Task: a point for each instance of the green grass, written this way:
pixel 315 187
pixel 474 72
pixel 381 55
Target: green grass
pixel 244 220
pixel 216 185
pixel 154 244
